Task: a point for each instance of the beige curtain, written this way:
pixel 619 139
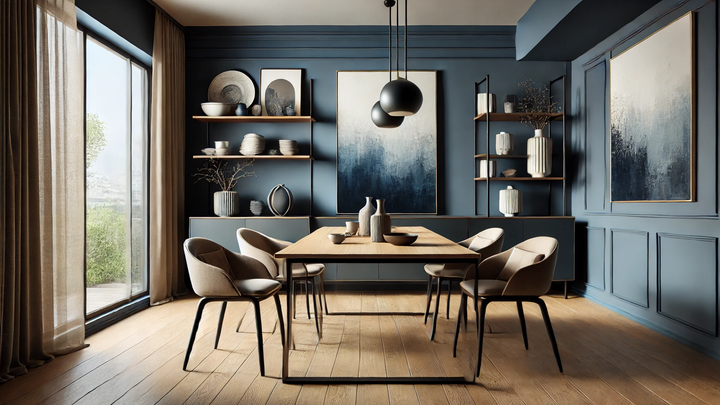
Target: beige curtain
pixel 41 181
pixel 167 167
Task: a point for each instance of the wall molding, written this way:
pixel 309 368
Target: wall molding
pixel 604 232
pixel 645 234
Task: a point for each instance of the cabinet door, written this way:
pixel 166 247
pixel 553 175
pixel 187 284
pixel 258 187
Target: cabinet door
pixel 289 229
pixel 220 230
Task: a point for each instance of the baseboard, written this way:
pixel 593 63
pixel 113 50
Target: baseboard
pixel 650 325
pixel 103 321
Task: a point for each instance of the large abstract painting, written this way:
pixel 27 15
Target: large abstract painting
pixel 652 117
pixel 399 164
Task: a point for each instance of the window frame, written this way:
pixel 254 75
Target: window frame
pixel 110 314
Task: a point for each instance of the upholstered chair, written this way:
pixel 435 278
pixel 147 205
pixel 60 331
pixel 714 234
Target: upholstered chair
pixel 487 243
pixel 521 274
pixel 263 248
pixel 217 274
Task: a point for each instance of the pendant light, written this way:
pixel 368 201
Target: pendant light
pixel 378 115
pixel 401 97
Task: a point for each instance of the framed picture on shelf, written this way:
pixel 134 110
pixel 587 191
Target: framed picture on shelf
pixel 652 117
pixel 280 92
pixel 395 164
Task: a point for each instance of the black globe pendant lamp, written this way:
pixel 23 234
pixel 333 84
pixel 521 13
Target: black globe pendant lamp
pixel 401 97
pixel 380 118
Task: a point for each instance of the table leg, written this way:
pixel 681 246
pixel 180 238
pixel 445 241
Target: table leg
pixel 289 313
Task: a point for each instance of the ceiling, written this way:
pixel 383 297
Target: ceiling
pixel 342 12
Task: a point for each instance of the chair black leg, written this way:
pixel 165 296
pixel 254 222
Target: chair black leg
pixel 324 297
pixel 481 333
pixel 437 308
pixel 280 319
pixel 317 318
pixel 295 297
pixel 193 333
pixel 429 297
pixel 220 322
pixel 551 335
pixel 462 310
pixel 307 297
pixel 521 314
pixel 258 326
pixel 447 310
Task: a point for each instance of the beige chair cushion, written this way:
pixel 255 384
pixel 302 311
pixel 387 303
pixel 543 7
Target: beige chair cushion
pixel 518 259
pixel 485 287
pixel 257 287
pixel 448 270
pixel 313 269
pixel 479 243
pixel 217 258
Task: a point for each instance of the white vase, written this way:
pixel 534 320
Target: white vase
pixel 510 201
pixel 482 100
pixel 539 150
pixel 364 217
pixel 504 143
pixel 482 168
pixel 226 203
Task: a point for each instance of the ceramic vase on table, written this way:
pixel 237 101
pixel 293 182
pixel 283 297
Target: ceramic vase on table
pixel 364 217
pixel 226 203
pixel 504 143
pixel 379 223
pixel 510 201
pixel 539 150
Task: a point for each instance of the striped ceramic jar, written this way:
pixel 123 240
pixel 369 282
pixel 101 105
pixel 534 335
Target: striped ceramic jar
pixel 226 203
pixel 539 150
pixel 510 201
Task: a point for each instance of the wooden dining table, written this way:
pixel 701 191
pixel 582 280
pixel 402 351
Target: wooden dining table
pixel 317 248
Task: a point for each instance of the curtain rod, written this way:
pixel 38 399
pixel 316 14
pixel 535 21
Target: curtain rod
pixel 160 9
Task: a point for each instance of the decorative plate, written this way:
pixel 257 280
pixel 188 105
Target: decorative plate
pixel 232 86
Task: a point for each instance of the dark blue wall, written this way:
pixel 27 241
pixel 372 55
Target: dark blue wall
pixel 133 20
pixel 654 262
pixel 461 55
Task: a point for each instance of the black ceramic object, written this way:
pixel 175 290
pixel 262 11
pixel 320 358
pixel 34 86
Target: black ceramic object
pixel 400 239
pixel 280 200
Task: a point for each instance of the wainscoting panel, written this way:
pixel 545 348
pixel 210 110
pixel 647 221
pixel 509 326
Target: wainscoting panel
pixel 219 230
pixel 687 280
pixel 596 258
pixel 595 145
pixel 629 266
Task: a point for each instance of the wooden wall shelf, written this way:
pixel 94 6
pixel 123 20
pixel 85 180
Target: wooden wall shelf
pixel 519 178
pixel 250 118
pixel 514 117
pixel 484 155
pixel 259 157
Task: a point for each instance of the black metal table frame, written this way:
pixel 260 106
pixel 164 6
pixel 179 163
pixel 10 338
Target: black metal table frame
pixel 318 314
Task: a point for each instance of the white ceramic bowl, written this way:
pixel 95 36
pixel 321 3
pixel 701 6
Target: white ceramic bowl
pixel 209 151
pixel 222 151
pixel 217 109
pixel 336 238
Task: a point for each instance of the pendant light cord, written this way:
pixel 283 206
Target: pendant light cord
pixel 397 40
pixel 406 35
pixel 390 44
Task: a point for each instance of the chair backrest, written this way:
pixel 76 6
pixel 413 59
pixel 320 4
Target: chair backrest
pixel 207 280
pixel 262 248
pixel 497 235
pixel 535 279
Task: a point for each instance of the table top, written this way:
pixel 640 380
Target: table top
pixel 428 245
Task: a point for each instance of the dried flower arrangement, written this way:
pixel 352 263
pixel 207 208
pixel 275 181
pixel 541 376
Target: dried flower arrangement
pixel 538 102
pixel 224 175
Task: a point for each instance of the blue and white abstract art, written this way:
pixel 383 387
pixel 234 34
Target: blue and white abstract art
pixel 398 164
pixel 651 118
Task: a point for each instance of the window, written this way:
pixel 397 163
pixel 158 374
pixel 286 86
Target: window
pixel 116 161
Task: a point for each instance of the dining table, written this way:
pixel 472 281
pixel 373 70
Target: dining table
pixel 316 247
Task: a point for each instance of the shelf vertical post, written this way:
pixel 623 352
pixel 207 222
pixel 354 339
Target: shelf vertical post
pixel 475 147
pixel 487 146
pixel 311 149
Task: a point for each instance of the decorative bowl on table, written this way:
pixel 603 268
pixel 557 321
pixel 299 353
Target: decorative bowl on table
pixel 336 238
pixel 400 239
pixel 213 109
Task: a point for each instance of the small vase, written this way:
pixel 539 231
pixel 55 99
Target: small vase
pixel 226 203
pixel 504 143
pixel 241 110
pixel 539 150
pixel 482 168
pixel 482 99
pixel 364 217
pixel 510 201
pixel 256 110
pixel 379 223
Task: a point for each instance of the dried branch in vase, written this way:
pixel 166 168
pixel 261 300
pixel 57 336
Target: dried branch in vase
pixel 537 100
pixel 224 175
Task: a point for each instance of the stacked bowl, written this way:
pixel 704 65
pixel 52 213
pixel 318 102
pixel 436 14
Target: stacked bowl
pixel 288 147
pixel 252 144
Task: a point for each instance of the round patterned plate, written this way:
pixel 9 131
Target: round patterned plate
pixel 232 86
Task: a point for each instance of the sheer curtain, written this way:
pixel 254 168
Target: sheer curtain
pixel 41 182
pixel 167 165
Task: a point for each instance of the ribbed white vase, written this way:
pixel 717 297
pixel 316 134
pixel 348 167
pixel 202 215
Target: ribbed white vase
pixel 504 143
pixel 510 201
pixel 539 150
pixel 483 166
pixel 226 203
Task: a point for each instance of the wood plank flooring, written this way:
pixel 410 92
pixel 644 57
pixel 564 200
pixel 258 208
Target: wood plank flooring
pixel 608 359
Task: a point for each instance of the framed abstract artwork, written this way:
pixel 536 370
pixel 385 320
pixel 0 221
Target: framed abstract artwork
pixel 280 91
pixel 398 164
pixel 652 117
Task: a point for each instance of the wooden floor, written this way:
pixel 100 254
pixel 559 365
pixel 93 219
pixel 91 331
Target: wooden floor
pixel 608 359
